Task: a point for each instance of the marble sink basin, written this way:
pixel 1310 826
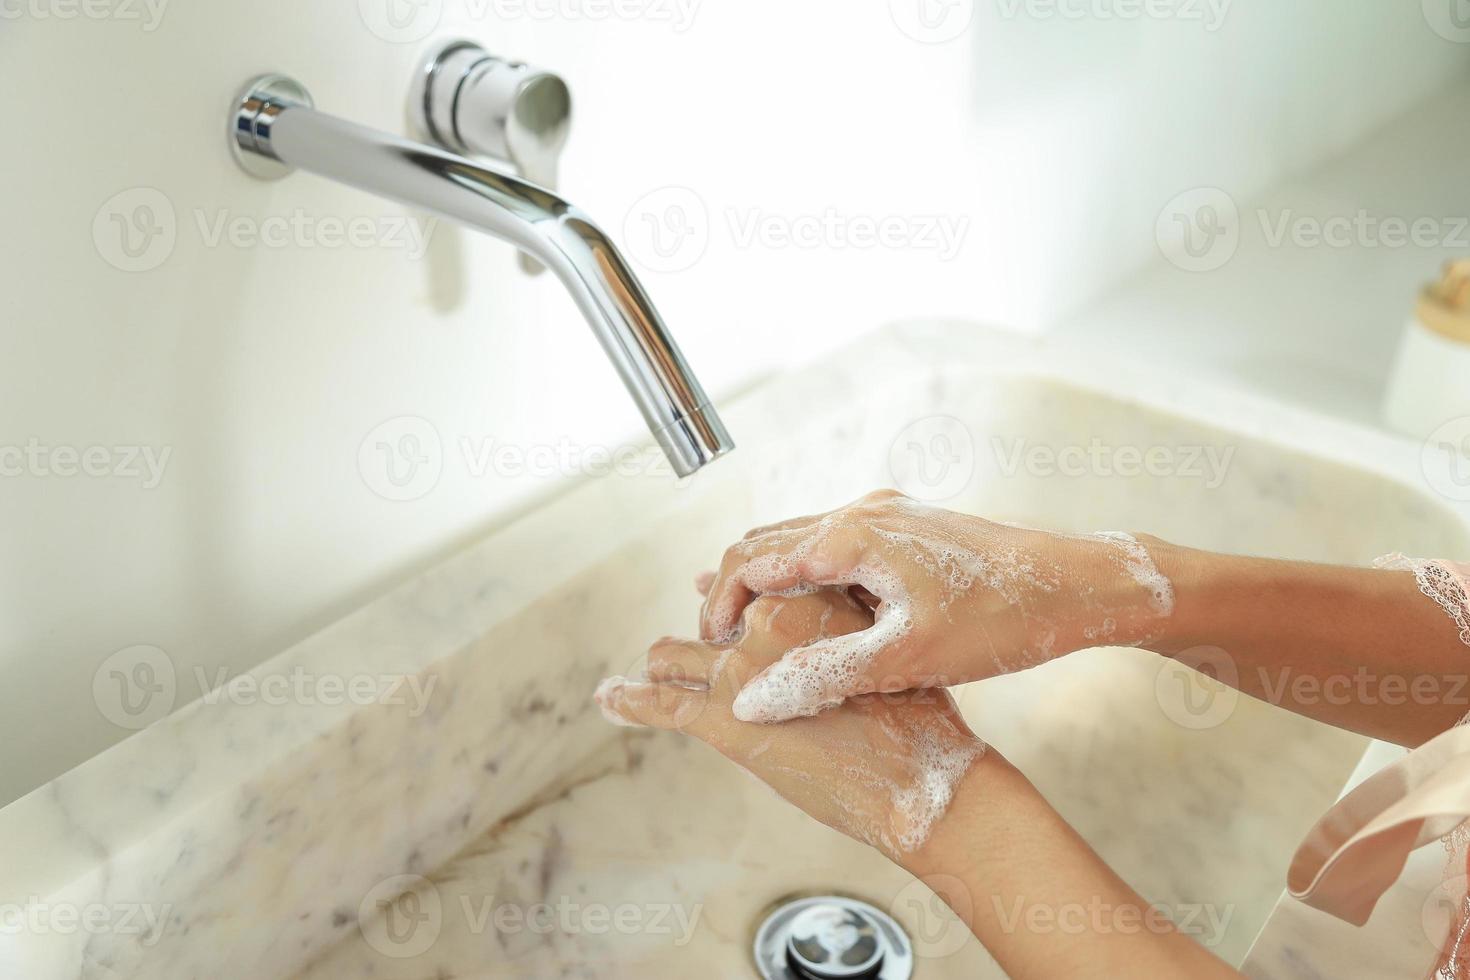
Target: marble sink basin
pixel 508 832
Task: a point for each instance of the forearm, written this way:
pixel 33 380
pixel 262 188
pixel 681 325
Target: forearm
pixel 1038 897
pixel 1357 648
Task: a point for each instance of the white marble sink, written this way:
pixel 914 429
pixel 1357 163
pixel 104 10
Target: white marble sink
pixel 270 835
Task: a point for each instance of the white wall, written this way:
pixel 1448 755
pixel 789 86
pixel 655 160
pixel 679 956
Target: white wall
pixel 1047 145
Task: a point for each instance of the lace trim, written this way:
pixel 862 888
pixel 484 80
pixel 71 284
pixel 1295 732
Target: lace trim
pixel 1438 583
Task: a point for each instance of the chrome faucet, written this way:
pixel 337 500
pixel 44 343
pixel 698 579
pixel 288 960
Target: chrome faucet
pixel 274 128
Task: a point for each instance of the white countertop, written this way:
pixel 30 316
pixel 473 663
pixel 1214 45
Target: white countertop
pixel 1316 326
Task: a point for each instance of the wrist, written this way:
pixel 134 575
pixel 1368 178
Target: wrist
pixel 1189 573
pixel 1204 585
pixel 971 825
pixel 1130 591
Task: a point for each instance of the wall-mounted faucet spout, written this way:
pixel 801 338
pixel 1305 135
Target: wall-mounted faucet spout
pixel 274 128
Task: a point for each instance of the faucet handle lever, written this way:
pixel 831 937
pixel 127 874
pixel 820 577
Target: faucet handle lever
pixel 474 103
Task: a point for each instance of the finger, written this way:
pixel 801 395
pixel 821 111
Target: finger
pixel 772 625
pixel 874 498
pixel 643 703
pixel 675 661
pixel 779 561
pixel 703 581
pixel 863 596
pixel 812 678
pixel 787 525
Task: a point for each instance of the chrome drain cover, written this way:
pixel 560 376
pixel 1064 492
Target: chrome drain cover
pixel 827 937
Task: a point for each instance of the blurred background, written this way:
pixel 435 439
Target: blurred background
pixel 235 410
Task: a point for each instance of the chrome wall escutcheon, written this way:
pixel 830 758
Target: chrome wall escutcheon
pixel 472 102
pixel 256 107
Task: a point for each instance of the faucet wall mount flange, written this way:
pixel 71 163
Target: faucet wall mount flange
pixel 256 107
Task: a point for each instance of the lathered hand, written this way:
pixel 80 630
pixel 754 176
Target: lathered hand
pixel 956 598
pixel 881 769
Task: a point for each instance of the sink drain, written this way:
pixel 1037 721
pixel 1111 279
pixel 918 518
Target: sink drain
pixel 827 937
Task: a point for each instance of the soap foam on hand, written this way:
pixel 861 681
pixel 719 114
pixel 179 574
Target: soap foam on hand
pixel 883 771
pixel 957 567
pixel 826 672
pixel 892 793
pixel 1141 566
pixel 939 762
pixel 608 689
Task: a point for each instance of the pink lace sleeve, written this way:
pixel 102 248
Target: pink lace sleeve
pixel 1359 847
pixel 1447 583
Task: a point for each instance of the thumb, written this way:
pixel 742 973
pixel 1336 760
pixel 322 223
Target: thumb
pixel 804 681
